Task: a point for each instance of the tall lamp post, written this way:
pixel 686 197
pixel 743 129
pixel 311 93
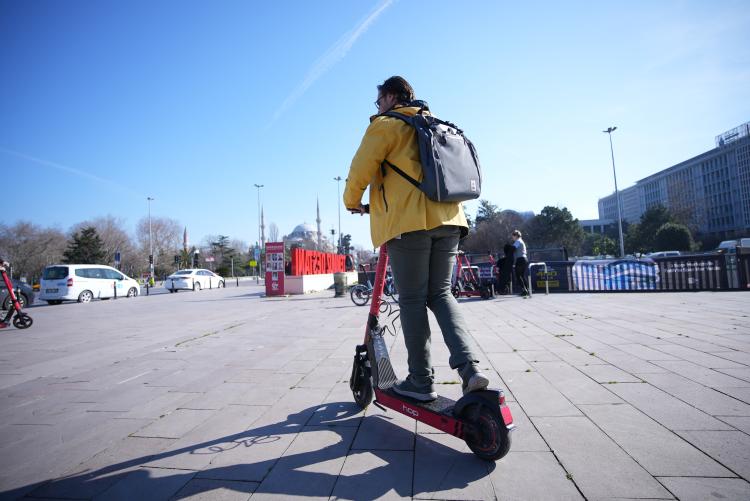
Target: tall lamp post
pixel 260 242
pixel 150 244
pixel 338 184
pixel 609 131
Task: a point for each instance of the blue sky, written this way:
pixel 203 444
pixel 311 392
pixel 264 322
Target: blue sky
pixel 104 103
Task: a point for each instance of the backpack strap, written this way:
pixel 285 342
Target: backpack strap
pixel 385 163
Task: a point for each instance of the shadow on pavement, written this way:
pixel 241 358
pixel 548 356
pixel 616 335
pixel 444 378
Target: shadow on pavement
pixel 292 474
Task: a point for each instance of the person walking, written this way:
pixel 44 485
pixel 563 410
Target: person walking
pixel 521 261
pixel 422 238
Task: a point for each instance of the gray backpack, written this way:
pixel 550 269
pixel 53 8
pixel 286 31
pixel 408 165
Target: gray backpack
pixel 450 165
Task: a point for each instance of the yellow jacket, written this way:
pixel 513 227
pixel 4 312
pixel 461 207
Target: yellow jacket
pixel 396 206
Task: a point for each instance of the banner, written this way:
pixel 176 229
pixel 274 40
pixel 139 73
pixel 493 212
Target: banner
pixel 615 275
pixel 274 268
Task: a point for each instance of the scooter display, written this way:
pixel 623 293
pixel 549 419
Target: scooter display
pixel 21 319
pixel 481 418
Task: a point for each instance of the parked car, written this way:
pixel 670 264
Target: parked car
pixel 193 279
pixel 84 282
pixel 664 254
pixel 730 246
pixel 26 296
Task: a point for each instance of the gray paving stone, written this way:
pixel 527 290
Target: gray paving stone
pixel 709 400
pixel 740 394
pixel 310 466
pixel 730 448
pixel 201 489
pixel 579 444
pixel 507 362
pixel 445 468
pixel 666 409
pixel 576 386
pixel 741 423
pixel 538 356
pixel 629 363
pixel 176 424
pixel 537 396
pixel 698 357
pixel 533 476
pixel 147 484
pixel 702 375
pixel 657 449
pixel 375 475
pixel 607 374
pixel 385 431
pixel 740 373
pixel 97 474
pixel 701 489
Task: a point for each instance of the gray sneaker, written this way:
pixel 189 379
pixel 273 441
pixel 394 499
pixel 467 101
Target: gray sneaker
pixel 473 380
pixel 408 389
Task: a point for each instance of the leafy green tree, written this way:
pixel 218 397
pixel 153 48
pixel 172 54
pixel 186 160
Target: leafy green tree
pixel 673 236
pixel 486 212
pixel 85 248
pixel 554 227
pixel 346 243
pixel 641 236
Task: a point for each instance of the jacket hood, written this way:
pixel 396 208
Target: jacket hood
pixel 409 110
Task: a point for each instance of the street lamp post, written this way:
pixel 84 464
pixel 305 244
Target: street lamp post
pixel 338 184
pixel 150 244
pixel 260 242
pixel 609 131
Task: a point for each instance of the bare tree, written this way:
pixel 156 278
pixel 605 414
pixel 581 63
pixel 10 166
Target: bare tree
pixel 273 232
pixel 492 231
pixel 112 232
pixel 167 240
pixel 29 248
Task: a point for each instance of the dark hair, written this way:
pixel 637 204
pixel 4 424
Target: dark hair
pixel 516 233
pixel 398 86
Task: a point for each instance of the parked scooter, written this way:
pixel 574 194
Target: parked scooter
pixel 21 319
pixel 481 418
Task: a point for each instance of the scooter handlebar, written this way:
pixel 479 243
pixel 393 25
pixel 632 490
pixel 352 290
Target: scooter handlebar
pixel 363 209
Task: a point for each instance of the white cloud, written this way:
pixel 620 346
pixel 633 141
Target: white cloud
pixel 332 56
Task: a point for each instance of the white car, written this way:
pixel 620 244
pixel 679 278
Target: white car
pixel 193 279
pixel 84 282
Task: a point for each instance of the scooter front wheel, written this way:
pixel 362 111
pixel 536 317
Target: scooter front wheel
pixel 360 381
pixel 22 321
pixel 360 295
pixel 488 437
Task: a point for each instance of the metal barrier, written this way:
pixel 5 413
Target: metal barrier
pixel 546 277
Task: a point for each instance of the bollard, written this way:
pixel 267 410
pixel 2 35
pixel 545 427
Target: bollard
pixel 210 281
pixel 114 286
pixel 147 288
pixel 193 285
pixel 238 281
pixel 339 284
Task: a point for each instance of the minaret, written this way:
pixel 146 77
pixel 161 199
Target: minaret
pixel 262 229
pixel 185 240
pixel 318 220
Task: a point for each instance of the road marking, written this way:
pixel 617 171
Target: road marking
pixel 134 377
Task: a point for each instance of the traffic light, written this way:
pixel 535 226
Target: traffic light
pixel 150 259
pixel 176 259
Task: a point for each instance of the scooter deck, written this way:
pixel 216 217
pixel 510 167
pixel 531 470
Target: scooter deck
pixel 441 405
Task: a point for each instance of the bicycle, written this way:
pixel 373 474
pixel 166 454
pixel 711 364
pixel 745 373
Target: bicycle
pixel 361 293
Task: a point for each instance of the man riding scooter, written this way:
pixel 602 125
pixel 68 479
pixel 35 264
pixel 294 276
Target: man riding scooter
pixel 422 238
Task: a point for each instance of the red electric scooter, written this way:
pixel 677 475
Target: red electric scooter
pixel 21 320
pixel 480 418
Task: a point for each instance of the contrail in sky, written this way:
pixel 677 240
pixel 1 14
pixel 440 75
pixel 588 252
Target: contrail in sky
pixel 69 170
pixel 332 56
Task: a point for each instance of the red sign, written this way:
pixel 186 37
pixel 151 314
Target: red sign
pixel 274 268
pixel 309 262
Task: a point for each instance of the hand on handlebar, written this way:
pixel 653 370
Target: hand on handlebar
pixel 361 210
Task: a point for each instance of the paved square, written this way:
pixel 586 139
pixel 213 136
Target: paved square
pixel 225 394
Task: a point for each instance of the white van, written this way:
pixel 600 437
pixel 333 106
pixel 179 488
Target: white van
pixel 84 282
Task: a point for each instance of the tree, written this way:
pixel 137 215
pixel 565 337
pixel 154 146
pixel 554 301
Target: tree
pixel 673 236
pixel 346 243
pixel 273 233
pixel 222 253
pixel 554 227
pixel 85 248
pixel 485 212
pixel 114 239
pixel 493 231
pixel 641 236
pixel 167 240
pixel 29 248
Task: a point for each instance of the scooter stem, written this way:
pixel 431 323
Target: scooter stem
pixel 377 290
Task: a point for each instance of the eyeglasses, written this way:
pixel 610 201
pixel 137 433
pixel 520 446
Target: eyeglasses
pixel 377 103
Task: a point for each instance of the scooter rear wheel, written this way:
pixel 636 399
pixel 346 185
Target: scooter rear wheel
pixel 22 321
pixel 489 439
